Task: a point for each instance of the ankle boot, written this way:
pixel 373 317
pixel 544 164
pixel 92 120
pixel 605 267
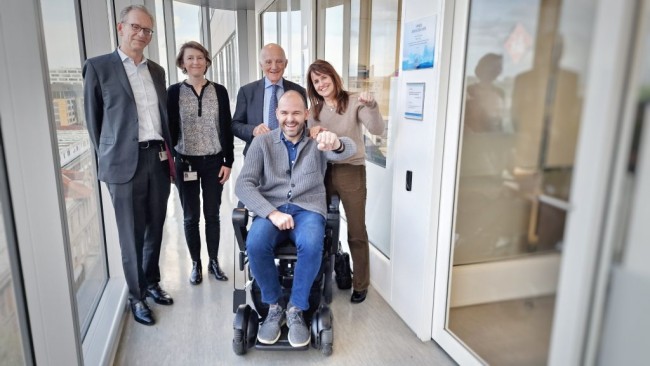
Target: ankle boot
pixel 196 276
pixel 213 267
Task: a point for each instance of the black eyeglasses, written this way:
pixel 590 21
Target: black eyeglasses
pixel 137 28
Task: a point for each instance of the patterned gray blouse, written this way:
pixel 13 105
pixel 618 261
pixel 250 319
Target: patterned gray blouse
pixel 199 120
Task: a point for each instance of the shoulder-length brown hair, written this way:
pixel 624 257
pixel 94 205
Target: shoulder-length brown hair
pixel 322 67
pixel 197 46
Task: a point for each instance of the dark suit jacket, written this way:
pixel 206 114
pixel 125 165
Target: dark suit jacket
pixel 249 111
pixel 112 115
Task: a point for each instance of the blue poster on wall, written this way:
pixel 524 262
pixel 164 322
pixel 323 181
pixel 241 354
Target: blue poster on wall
pixel 419 44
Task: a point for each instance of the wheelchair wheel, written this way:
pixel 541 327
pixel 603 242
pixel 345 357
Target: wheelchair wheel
pixel 322 334
pixel 239 343
pixel 245 328
pixel 326 349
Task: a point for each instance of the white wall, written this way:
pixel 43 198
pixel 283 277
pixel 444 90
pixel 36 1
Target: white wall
pixel 418 149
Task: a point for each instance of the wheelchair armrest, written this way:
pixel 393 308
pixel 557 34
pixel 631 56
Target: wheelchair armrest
pixel 333 204
pixel 239 223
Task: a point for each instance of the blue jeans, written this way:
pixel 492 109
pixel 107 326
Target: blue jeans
pixel 308 234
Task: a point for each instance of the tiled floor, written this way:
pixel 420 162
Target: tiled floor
pixel 197 329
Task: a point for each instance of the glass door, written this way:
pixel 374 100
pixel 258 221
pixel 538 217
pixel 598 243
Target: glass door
pixel 516 128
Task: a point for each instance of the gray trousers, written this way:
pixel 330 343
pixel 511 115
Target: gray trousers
pixel 140 209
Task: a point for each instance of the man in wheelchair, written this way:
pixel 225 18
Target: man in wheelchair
pixel 282 183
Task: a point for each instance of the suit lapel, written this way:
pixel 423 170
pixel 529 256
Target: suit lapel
pixel 259 93
pixel 158 82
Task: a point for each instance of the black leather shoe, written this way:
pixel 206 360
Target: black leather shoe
pixel 213 267
pixel 159 295
pixel 196 276
pixel 358 296
pixel 141 312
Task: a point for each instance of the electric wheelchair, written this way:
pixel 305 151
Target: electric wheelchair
pixel 319 315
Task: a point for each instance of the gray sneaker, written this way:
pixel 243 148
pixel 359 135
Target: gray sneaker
pixel 269 332
pixel 299 334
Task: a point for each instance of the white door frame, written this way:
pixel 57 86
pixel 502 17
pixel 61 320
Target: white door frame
pixel 589 195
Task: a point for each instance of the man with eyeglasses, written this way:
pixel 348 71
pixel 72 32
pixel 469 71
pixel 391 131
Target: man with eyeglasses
pixel 125 102
pixel 257 101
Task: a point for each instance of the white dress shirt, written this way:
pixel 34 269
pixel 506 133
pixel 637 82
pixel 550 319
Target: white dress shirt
pixel 146 99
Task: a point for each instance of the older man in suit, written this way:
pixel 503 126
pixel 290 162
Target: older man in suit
pixel 257 101
pixel 126 113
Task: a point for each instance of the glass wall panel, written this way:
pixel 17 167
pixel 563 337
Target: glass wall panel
pixel 367 61
pixel 78 171
pixel 270 23
pixel 187 27
pixel 11 344
pixel 281 24
pixel 162 38
pixel 333 36
pixel 525 68
pixel 224 64
pixel 223 30
pixel 374 61
pixel 294 70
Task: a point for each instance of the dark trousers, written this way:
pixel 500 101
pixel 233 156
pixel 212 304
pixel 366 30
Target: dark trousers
pixel 140 210
pixel 207 168
pixel 349 182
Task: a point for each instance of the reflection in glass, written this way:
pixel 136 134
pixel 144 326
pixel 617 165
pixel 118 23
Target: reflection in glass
pixel 78 172
pixel 525 65
pixel 374 62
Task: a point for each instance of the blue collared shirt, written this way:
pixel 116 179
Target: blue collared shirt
pixel 292 149
pixel 268 88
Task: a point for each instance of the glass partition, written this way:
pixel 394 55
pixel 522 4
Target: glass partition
pixel 187 27
pixel 526 63
pixel 78 170
pixel 270 23
pixel 369 32
pixel 12 349
pixel 281 24
pixel 162 38
pixel 226 72
pixel 332 37
pixel 374 62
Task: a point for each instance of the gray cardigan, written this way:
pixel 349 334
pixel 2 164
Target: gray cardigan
pixel 265 180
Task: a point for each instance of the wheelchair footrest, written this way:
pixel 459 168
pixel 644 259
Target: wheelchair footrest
pixel 282 344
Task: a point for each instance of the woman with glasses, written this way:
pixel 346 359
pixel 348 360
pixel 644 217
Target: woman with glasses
pixel 200 125
pixel 345 114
